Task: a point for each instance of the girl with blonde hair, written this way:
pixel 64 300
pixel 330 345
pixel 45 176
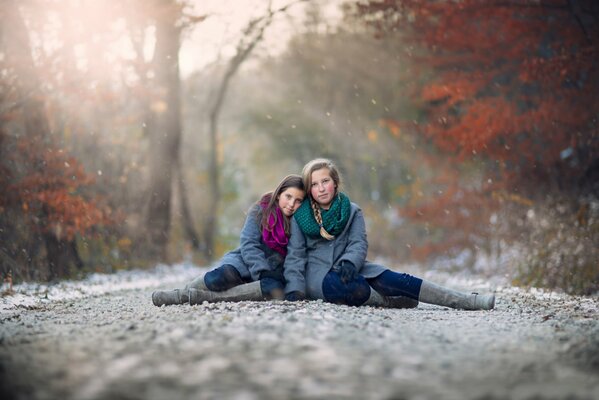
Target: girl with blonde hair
pixel 326 254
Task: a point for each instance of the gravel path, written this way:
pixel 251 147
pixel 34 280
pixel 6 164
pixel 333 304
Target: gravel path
pixel 117 345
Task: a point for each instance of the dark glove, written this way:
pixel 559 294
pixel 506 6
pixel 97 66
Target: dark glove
pixel 347 271
pixel 295 296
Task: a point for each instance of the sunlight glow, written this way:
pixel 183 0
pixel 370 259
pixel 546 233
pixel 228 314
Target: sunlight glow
pixel 99 38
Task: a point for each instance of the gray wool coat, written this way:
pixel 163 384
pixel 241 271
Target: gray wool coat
pixel 253 255
pixel 310 259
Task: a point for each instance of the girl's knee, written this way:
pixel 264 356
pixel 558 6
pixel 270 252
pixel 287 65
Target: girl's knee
pixel 222 278
pixel 359 293
pixel 354 293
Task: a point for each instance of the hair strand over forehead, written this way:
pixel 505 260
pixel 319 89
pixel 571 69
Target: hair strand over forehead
pixel 315 165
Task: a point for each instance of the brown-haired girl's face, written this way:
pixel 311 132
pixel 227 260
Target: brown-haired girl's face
pixel 290 200
pixel 323 187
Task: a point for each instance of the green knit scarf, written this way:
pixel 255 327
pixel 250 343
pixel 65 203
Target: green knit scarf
pixel 334 219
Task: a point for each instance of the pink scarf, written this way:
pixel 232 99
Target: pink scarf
pixel 274 237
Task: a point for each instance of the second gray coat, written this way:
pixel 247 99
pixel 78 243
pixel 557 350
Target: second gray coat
pixel 252 256
pixel 310 259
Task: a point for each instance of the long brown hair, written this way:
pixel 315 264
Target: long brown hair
pixel 269 201
pixel 309 168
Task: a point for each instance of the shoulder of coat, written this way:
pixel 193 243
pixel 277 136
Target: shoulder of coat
pixel 355 207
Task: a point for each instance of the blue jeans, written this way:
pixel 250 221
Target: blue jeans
pixel 391 283
pixel 223 278
pixel 226 277
pixel 353 293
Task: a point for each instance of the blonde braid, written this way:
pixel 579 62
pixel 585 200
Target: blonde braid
pixel 318 218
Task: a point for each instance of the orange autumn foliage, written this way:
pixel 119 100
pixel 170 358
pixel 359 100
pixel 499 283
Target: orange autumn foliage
pixel 514 81
pixel 509 85
pixel 52 196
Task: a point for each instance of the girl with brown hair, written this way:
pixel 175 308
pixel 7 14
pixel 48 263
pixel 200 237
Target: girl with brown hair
pixel 253 271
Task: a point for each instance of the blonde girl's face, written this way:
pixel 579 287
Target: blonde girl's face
pixel 323 187
pixel 290 200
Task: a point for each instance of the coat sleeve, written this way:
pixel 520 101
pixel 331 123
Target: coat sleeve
pixel 250 241
pixel 295 262
pixel 356 249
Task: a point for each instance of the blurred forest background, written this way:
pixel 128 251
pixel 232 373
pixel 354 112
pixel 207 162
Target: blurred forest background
pixel 467 130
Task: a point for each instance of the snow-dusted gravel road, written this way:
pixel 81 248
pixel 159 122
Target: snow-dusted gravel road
pixel 108 344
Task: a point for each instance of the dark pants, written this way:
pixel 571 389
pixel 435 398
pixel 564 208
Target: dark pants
pixel 356 292
pixel 352 293
pixel 391 283
pixel 227 277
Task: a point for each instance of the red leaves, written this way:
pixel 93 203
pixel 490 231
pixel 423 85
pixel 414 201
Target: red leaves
pixel 513 88
pixel 452 92
pixel 52 192
pixel 512 78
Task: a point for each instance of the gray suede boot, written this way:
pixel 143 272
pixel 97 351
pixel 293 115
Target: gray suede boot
pixel 378 300
pixel 246 292
pixel 169 297
pixel 439 295
pixel 196 283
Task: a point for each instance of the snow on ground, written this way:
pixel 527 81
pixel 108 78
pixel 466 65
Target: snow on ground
pixel 101 338
pixel 31 295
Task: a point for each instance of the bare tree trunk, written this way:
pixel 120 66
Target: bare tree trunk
pixel 60 251
pixel 187 221
pixel 164 129
pixel 253 34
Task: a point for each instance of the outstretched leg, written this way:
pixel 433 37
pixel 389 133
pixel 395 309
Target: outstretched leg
pixel 378 300
pixel 435 294
pixel 391 283
pixel 263 289
pixel 357 292
pixel 219 279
